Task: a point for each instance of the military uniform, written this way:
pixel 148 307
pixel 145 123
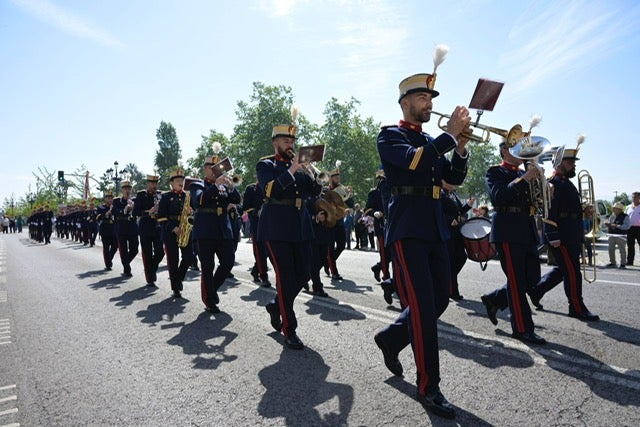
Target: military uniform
pixel 515 236
pixel 126 231
pixel 285 228
pixel 169 213
pixel 565 224
pixel 414 164
pixel 144 208
pixel 456 213
pixel 212 235
pixel 252 203
pixel 106 219
pixel 375 204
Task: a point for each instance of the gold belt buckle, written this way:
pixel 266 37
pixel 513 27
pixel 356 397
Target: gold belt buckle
pixel 298 203
pixel 532 211
pixel 436 192
pixel 219 211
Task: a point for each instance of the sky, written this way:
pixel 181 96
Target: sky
pixel 88 82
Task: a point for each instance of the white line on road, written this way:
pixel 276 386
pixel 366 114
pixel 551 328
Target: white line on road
pixel 7 387
pixel 9 411
pixel 540 356
pixel 9 398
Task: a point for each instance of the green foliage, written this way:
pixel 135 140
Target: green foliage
pixel 194 164
pixel 351 140
pixel 622 198
pixel 481 158
pixel 137 178
pixel 168 154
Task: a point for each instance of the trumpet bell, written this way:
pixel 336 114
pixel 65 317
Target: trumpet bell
pixel 528 148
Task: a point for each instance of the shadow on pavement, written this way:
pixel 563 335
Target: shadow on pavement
pixel 206 339
pixel 463 417
pixel 129 297
pixel 165 310
pixel 297 390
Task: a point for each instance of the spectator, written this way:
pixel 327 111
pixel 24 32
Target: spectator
pixel 618 225
pixel 348 227
pixel 633 234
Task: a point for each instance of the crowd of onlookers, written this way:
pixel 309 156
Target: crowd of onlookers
pixel 11 224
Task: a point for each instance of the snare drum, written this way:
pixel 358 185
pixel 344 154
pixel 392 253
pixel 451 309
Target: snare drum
pixel 475 236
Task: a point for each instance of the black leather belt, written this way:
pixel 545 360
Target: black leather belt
pixel 296 203
pixel 508 209
pixel 217 211
pixel 569 215
pixel 432 191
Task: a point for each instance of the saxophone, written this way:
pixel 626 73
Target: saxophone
pixel 186 222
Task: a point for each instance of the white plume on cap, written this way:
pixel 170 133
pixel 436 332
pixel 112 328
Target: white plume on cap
pixel 217 147
pixel 580 138
pixel 535 121
pixel 439 55
pixel 338 163
pixel 294 113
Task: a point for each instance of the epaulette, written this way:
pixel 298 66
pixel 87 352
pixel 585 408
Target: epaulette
pixel 271 156
pixel 387 127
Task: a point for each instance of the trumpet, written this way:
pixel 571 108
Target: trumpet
pixel 321 177
pixel 485 136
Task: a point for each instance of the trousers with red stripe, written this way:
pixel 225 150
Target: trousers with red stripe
pixel 291 261
pixel 521 265
pixel 568 268
pixel 422 277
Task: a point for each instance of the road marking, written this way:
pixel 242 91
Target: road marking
pixel 540 356
pixel 5 332
pixel 3 296
pixel 7 387
pixel 8 399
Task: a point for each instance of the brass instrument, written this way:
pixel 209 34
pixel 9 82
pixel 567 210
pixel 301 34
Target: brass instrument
pixel 526 147
pixel 587 198
pixel 321 177
pixel 512 135
pixel 185 222
pixel 336 200
pixel 237 180
pixel 344 192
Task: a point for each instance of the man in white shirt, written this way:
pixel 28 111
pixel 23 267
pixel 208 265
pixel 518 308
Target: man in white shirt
pixel 633 234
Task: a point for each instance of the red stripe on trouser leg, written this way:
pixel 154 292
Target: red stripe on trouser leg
pixel 203 288
pixel 513 289
pixel 279 294
pixel 416 324
pixel 574 299
pixel 332 263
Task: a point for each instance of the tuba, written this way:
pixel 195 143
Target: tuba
pixel 526 147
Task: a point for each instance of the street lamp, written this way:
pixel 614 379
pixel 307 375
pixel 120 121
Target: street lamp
pixel 31 198
pixel 113 175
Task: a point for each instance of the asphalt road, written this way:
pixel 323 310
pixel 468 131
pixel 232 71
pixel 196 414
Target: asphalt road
pixel 80 346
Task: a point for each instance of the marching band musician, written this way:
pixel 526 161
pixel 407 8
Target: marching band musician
pixel 92 225
pixel 212 232
pixel 338 239
pixel 375 207
pixel 323 220
pixel 414 164
pixel 252 203
pixel 563 232
pixel 106 218
pixel 285 226
pixel 126 228
pixel 170 210
pixel 47 224
pixel 515 235
pixel 145 208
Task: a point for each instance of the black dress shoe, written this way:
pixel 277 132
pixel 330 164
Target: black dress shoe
pixel 492 309
pixel 274 313
pixel 305 286
pixel 230 275
pixel 213 309
pixel 266 283
pixel 320 293
pixel 336 277
pixel 529 337
pixel 390 359
pixel 376 272
pixel 107 268
pixel 177 294
pixel 254 274
pixel 457 297
pixel 293 342
pixel 535 300
pixel 127 274
pixel 586 315
pixel 387 289
pixel 151 285
pixel 435 403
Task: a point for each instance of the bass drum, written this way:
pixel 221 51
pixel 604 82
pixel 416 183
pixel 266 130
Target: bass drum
pixel 475 236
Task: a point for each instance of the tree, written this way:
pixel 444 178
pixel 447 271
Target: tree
pixel 352 140
pixel 137 178
pixel 622 198
pixel 251 138
pixel 481 158
pixel 194 164
pixel 169 153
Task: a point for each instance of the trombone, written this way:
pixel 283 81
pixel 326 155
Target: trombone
pixel 484 137
pixel 587 198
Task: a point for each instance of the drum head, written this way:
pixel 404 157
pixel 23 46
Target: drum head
pixel 476 228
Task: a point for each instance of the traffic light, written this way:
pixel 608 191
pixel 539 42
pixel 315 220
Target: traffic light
pixel 60 176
